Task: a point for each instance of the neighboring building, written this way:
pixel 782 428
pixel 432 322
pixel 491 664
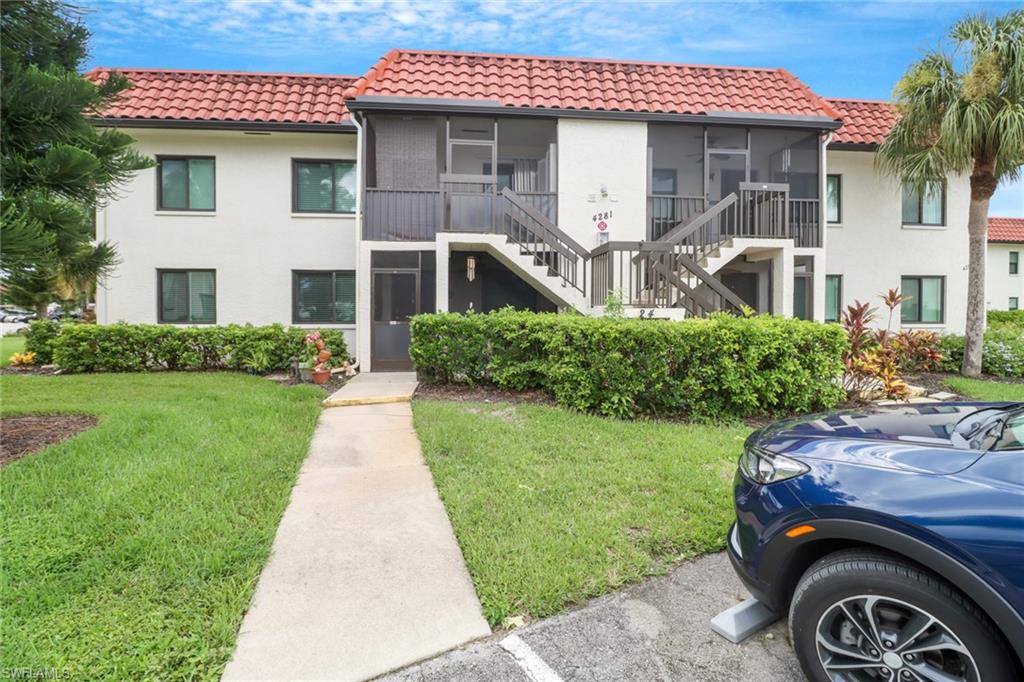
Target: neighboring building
pixel 456 181
pixel 882 234
pixel 1004 277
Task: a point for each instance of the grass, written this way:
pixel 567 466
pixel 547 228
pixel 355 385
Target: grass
pixel 551 507
pixel 985 389
pixel 131 550
pixel 9 345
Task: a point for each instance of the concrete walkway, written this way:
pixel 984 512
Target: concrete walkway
pixel 374 388
pixel 365 575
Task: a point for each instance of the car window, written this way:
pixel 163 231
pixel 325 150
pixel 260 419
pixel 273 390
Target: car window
pixel 1012 437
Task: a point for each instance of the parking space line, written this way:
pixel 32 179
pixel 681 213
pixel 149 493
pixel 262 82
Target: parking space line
pixel 532 664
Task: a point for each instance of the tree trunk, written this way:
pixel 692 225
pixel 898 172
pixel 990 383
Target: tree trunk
pixel 983 185
pixel 41 310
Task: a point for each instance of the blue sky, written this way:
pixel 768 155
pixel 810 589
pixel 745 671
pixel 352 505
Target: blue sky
pixel 839 49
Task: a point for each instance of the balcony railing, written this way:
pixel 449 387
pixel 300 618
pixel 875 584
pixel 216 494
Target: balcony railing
pixel 657 274
pixel 665 211
pixel 402 215
pixel 462 206
pixel 755 211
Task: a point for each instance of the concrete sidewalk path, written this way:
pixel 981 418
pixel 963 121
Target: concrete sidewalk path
pixel 365 574
pixel 374 388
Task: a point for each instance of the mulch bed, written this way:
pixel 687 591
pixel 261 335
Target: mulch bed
pixel 25 434
pixel 483 394
pixel 288 379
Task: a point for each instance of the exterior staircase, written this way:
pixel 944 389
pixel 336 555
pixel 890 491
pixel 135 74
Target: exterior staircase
pixel 531 245
pixel 675 271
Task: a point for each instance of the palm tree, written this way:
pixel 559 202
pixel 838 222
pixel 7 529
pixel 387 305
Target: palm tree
pixel 962 112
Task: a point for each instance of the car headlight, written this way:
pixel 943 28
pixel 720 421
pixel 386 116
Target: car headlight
pixel 762 466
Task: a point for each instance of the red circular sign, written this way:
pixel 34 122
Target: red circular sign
pixel 602 226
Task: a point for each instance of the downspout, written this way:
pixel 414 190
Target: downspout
pixel 101 289
pixel 823 191
pixel 362 273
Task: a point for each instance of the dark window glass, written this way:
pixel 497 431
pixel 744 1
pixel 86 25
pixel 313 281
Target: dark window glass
pixel 186 184
pixel 833 194
pixel 924 206
pixel 187 296
pixel 1014 262
pixel 833 297
pixel 395 259
pixel 925 299
pixel 328 297
pixel 324 186
pixel 1014 303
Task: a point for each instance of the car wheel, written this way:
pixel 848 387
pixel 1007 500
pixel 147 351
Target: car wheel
pixel 861 616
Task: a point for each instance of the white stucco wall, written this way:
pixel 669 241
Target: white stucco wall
pixel 592 154
pixel 872 249
pixel 252 239
pixel 1000 285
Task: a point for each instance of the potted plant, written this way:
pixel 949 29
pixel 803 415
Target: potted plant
pixel 319 356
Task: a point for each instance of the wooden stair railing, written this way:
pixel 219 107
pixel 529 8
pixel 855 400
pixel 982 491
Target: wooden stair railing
pixel 536 236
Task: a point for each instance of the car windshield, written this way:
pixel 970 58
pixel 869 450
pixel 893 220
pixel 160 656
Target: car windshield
pixel 1012 437
pixel 990 426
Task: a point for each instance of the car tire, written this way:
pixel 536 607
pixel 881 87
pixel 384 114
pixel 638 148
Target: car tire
pixel 831 597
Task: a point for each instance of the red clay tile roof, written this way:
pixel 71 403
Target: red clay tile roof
pixel 162 94
pixel 1006 229
pixel 589 84
pixel 865 122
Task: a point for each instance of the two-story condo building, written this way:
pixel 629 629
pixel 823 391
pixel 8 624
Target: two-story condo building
pixel 456 181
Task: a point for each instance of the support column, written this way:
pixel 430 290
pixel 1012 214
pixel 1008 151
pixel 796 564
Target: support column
pixel 782 282
pixel 818 293
pixel 442 254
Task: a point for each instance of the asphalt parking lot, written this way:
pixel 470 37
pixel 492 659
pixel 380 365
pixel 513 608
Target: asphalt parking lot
pixel 657 630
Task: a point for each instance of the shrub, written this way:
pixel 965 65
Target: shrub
pixel 39 339
pixel 721 366
pixel 140 347
pixel 1002 353
pixel 876 357
pixel 1006 319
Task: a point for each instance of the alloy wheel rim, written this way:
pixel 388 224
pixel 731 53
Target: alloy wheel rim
pixel 870 638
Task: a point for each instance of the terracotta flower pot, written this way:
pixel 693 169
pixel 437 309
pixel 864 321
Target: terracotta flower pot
pixel 319 344
pixel 325 355
pixel 321 376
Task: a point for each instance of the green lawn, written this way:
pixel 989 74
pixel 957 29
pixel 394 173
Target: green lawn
pixel 551 507
pixel 984 389
pixel 131 551
pixel 9 345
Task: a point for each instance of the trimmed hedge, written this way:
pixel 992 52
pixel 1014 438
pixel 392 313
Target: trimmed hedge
pixel 1002 354
pixel 141 347
pixel 1006 319
pixel 721 366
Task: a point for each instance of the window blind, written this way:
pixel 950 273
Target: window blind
pixel 325 297
pixel 202 303
pixel 174 297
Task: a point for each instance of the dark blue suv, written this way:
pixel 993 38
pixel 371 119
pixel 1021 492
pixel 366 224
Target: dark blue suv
pixel 895 536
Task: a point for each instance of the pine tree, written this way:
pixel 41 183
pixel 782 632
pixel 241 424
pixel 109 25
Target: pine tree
pixel 57 166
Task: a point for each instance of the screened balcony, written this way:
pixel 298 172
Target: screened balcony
pixel 692 168
pixel 426 174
